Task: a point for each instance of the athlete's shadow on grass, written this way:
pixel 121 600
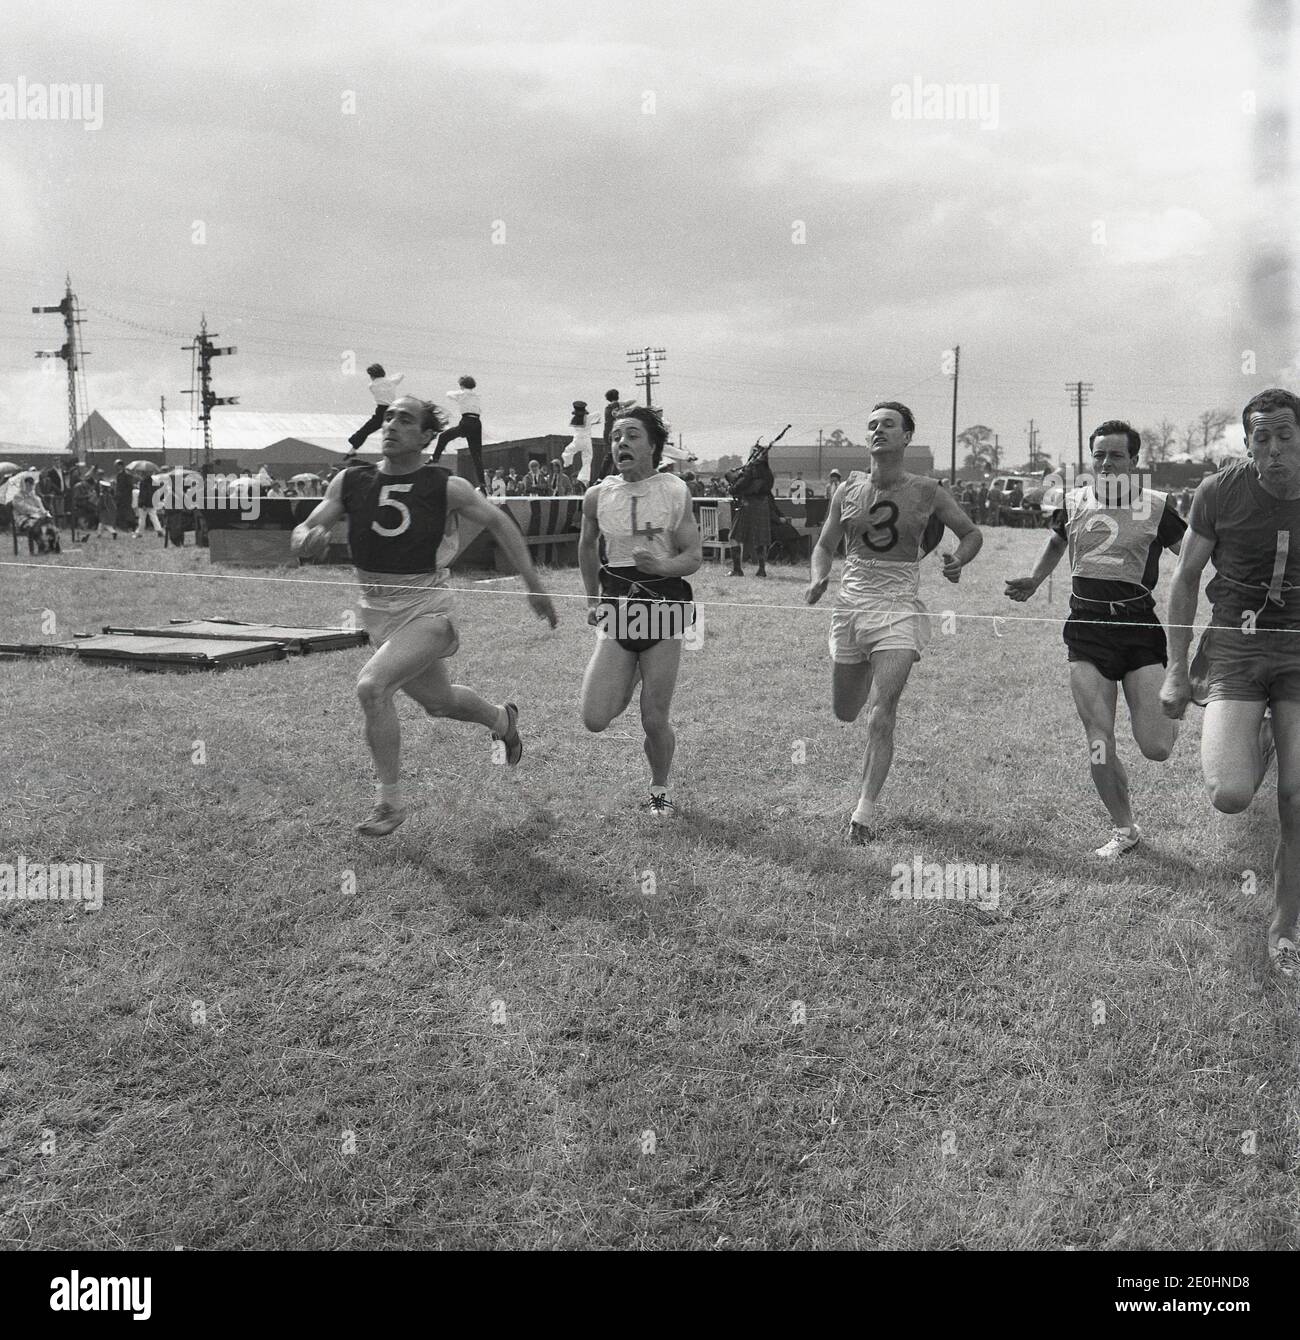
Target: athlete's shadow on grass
pixel 1156 861
pixel 515 876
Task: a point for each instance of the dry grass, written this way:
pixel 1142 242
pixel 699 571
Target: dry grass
pixel 500 1009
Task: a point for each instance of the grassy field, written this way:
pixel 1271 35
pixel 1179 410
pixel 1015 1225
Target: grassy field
pixel 493 1030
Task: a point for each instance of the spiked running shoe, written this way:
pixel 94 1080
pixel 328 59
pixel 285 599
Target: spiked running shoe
pixel 384 818
pixel 511 739
pixel 659 806
pixel 1121 840
pixel 1285 958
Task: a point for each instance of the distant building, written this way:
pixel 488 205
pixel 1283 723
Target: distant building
pixel 287 444
pixel 517 453
pixel 814 463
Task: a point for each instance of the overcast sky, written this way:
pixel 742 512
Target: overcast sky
pixel 649 168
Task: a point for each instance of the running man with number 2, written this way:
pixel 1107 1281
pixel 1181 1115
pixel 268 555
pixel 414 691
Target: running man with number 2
pixel 1115 529
pixel 879 626
pixel 404 517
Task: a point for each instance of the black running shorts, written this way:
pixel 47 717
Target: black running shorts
pixel 638 602
pixel 1115 647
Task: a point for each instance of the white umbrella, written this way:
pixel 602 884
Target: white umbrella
pixel 15 485
pixel 8 467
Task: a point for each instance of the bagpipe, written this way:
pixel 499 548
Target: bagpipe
pixel 742 479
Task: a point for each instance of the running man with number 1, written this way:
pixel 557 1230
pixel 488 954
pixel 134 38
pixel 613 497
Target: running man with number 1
pixel 1246 521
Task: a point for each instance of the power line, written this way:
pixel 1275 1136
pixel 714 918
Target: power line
pixel 1079 398
pixel 646 375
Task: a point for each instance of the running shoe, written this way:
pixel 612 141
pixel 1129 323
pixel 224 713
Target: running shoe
pixel 659 806
pixel 860 835
pixel 1121 840
pixel 1285 958
pixel 384 818
pixel 514 745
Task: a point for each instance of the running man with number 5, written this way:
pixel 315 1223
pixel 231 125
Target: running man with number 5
pixel 404 517
pixel 879 626
pixel 1115 529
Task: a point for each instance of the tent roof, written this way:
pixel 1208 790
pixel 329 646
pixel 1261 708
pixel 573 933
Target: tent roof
pixel 232 430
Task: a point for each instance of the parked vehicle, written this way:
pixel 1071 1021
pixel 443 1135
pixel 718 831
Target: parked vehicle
pixel 1013 500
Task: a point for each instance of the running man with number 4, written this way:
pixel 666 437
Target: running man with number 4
pixel 639 600
pixel 404 517
pixel 879 627
pixel 1115 529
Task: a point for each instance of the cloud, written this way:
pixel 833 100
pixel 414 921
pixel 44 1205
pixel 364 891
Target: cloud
pixel 1146 238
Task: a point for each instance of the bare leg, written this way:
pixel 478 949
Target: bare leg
pixel 1154 732
pixel 1286 862
pixel 659 667
pixel 1231 761
pixel 850 685
pixel 1094 698
pixel 608 684
pixel 406 656
pixel 889 672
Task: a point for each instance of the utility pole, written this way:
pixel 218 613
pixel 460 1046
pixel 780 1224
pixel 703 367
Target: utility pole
pixel 71 355
pixel 1079 398
pixel 819 453
pixel 162 414
pixel 646 374
pixel 1033 439
pixel 956 373
pixel 1269 298
pixel 206 351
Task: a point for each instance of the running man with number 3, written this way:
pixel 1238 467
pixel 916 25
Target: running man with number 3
pixel 1115 529
pixel 1246 520
pixel 879 626
pixel 404 517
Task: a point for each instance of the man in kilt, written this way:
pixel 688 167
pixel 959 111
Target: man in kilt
pixel 751 492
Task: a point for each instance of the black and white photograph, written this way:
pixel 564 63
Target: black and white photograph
pixel 651 628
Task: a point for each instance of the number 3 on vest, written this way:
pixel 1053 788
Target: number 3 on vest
pixel 385 501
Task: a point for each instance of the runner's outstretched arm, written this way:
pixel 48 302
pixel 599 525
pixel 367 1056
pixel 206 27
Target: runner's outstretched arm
pixel 970 537
pixel 464 499
pixel 1021 588
pixel 327 513
pixel 823 554
pixel 1184 593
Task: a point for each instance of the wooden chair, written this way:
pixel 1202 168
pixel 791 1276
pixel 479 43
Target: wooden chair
pixel 711 543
